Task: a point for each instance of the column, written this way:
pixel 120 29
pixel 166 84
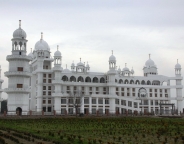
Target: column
pixel 39 92
pixel 103 105
pixel 90 106
pixel 112 105
pixel 149 106
pixel 82 105
pixel 96 103
pixel 57 105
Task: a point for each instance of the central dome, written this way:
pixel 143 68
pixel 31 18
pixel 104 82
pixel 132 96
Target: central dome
pixel 19 33
pixel 149 63
pixel 42 45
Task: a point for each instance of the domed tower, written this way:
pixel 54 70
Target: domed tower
pixel 179 87
pixel 73 66
pixel 150 67
pixel 1 90
pixel 41 76
pixel 132 71
pixel 87 67
pixel 18 74
pixel 111 81
pixel 178 69
pixel 57 69
pixel 126 71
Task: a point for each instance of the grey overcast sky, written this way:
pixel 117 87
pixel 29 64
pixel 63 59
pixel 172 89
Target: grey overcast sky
pixel 90 29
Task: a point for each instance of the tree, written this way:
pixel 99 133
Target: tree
pixel 76 100
pixel 3 106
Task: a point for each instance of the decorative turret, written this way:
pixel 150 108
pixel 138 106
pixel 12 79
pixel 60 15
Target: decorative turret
pixel 57 57
pixel 178 69
pixel 150 67
pixel 19 42
pixel 112 62
pixel 73 66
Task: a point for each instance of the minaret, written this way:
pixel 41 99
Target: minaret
pixel 18 74
pixel 111 82
pixel 1 90
pixel 179 87
pixel 57 72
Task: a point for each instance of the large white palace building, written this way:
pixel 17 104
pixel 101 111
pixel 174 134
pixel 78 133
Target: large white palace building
pixel 35 85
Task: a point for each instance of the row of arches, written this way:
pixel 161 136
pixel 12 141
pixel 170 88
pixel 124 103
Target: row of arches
pixel 19 46
pixel 138 82
pixel 81 79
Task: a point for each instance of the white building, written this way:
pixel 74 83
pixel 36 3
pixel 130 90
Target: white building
pixel 33 84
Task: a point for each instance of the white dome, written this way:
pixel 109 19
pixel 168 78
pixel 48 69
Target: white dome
pixel 42 45
pixel 112 58
pixel 178 66
pixel 80 64
pixel 125 69
pixel 31 55
pixel 57 53
pixel 149 63
pixel 19 33
pixel 66 71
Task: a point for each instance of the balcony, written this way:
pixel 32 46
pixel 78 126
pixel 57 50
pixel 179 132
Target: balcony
pixel 22 57
pixel 17 73
pixel 17 90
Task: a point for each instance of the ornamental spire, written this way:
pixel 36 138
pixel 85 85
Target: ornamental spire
pixel 177 61
pixel 31 50
pixel 19 23
pixel 57 47
pixel 149 56
pixel 41 35
pixel 112 52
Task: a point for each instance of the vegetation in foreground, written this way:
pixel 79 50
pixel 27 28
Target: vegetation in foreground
pixel 125 130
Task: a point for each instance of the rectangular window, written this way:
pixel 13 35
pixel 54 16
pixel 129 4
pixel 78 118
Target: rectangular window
pixel 83 88
pixel 68 88
pixel 106 101
pixel 129 103
pixel 165 90
pixel 63 101
pixel 75 88
pixel 150 90
pixel 50 75
pixel 50 80
pixel 49 87
pixel 166 95
pixel 19 68
pixel 104 89
pixel 44 75
pixel 122 94
pixel 96 88
pixel 160 90
pixel 86 101
pixel 122 89
pixel 44 80
pixel 19 85
pixel 49 101
pixel 155 95
pixel 116 89
pixel 44 109
pixel 117 93
pixel 93 101
pixel 44 87
pixel 44 101
pixel 155 90
pixel 150 95
pixel 133 94
pixel 100 101
pixel 133 89
pixel 117 101
pixel 49 93
pixel 44 93
pixel 104 92
pixel 128 94
pixel 90 88
pixel 160 95
pixel 123 102
pixel 49 109
pixel 46 67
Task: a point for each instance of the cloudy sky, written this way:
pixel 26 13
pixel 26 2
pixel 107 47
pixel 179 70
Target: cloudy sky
pixel 90 29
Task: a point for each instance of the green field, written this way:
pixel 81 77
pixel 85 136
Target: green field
pixel 126 130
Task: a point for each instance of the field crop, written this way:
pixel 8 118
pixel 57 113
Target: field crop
pixel 126 130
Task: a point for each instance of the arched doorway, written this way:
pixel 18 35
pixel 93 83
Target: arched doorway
pixel 18 111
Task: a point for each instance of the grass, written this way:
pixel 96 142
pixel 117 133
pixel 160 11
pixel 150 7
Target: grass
pixel 126 130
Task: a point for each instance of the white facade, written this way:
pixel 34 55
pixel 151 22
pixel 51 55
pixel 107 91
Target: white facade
pixel 50 88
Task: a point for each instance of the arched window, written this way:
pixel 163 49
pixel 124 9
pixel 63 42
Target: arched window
pixel 20 44
pixel 137 82
pixel 102 80
pixel 80 79
pixel 120 81
pixel 126 81
pixel 95 80
pixel 131 82
pixel 148 83
pixel 88 79
pixel 72 78
pixel 156 82
pixel 143 82
pixel 65 78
